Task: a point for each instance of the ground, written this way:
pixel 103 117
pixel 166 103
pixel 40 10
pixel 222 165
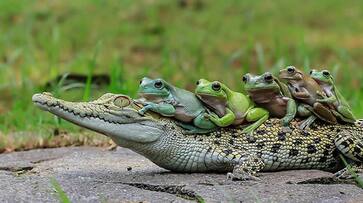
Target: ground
pixel 91 174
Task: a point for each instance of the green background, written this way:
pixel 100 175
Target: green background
pixel 180 41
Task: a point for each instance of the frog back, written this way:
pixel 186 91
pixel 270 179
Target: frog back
pixel 187 103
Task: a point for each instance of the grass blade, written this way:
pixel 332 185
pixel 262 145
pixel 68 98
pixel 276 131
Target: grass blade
pixel 62 196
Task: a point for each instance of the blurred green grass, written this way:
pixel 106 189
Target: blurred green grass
pixel 180 41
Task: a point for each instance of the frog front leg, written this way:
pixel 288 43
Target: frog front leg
pixel 325 99
pixel 257 115
pixel 164 109
pixel 246 169
pixel 290 114
pixel 203 121
pixel 301 93
pixel 225 121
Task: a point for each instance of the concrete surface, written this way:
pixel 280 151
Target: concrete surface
pixel 96 175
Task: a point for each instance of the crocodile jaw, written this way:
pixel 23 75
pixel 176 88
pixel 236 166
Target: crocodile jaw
pixel 123 124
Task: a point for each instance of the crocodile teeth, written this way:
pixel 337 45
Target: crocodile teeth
pixel 50 103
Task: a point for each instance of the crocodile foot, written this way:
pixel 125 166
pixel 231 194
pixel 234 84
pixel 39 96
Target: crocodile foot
pixel 344 173
pixel 247 169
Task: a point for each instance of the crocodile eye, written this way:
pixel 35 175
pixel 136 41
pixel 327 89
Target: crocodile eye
pixel 198 82
pixel 326 73
pixel 158 84
pixel 291 69
pixel 244 79
pixel 121 101
pixel 268 78
pixel 216 86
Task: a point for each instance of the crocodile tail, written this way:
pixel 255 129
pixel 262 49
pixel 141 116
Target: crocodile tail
pixel 350 143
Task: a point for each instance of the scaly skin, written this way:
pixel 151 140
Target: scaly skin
pixel 230 107
pixel 227 149
pixel 333 95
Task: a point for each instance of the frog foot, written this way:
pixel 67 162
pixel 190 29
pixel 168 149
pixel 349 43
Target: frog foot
pixel 142 111
pixel 286 129
pixel 307 122
pixel 249 130
pixel 191 129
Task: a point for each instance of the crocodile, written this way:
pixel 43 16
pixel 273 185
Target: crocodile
pixel 225 150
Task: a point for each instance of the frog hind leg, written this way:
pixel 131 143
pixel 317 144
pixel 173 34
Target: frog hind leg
pixel 304 110
pixel 290 114
pixel 191 129
pixel 247 169
pixel 324 113
pixel 345 114
pixel 307 122
pixel 256 115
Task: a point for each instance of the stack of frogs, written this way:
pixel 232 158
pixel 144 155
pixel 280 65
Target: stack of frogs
pixel 214 105
pixel 216 129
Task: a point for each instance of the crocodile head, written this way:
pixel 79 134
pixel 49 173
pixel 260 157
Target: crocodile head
pixel 114 115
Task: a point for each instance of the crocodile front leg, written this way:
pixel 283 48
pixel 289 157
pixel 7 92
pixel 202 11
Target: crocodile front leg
pixel 246 169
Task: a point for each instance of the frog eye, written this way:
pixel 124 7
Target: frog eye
pixel 158 84
pixel 311 72
pixel 198 82
pixel 268 78
pixel 140 82
pixel 291 69
pixel 244 78
pixel 326 73
pixel 216 86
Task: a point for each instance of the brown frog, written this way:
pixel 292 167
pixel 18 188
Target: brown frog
pixel 306 91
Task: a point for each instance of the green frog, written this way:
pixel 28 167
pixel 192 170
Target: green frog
pixel 161 97
pixel 268 92
pixel 229 107
pixel 333 95
pixel 306 91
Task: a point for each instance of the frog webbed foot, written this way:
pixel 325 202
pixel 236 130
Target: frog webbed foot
pixel 143 110
pixel 286 129
pixel 247 170
pixel 147 106
pixel 249 130
pixel 307 122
